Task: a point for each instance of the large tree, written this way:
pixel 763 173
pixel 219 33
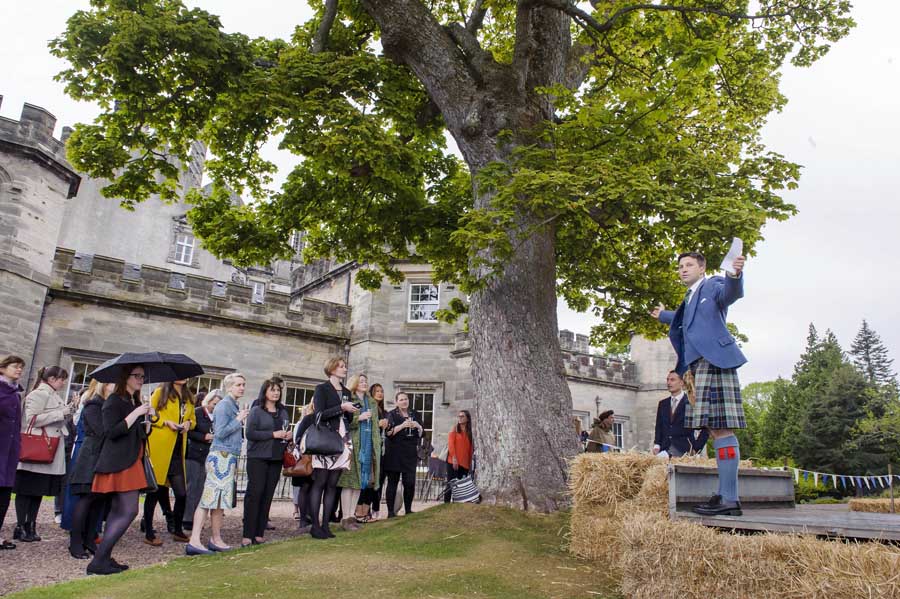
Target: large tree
pixel 871 357
pixel 595 140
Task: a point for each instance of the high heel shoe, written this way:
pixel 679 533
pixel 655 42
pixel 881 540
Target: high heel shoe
pixel 78 554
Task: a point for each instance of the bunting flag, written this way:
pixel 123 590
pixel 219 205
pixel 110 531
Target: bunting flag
pixel 871 481
pixel 796 476
pixel 805 475
pixel 866 480
pixel 844 481
pixel 816 478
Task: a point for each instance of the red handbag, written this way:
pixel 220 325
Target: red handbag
pixel 37 449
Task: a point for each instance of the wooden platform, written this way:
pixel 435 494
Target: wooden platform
pixel 820 520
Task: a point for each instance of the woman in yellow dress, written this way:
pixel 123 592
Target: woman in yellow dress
pixel 174 404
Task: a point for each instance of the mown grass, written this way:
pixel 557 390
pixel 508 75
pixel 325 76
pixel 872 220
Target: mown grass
pixel 446 551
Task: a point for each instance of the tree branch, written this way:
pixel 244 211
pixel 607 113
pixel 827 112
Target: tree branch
pixel 320 42
pixel 476 19
pixel 585 18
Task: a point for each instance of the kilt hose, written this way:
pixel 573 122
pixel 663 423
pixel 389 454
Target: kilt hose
pixel 718 398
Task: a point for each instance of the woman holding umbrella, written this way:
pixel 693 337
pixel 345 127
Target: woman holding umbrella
pixel 119 471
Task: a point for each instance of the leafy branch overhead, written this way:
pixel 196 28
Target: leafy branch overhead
pixel 650 143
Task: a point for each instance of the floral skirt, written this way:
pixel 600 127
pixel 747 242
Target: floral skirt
pixel 218 490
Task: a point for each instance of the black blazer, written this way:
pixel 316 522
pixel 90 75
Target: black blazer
pixel 92 423
pixel 671 433
pixel 327 402
pixel 121 445
pixel 198 446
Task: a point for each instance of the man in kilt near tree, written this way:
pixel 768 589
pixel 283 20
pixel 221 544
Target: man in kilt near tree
pixel 709 357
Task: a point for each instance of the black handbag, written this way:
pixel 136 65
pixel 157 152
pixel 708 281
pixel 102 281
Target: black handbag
pixel 149 475
pixel 321 440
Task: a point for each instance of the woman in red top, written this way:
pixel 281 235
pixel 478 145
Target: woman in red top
pixel 460 449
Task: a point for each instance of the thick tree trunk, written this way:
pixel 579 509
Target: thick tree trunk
pixel 523 410
pixel 523 413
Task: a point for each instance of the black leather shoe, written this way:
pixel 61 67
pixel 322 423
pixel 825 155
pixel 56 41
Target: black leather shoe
pixel 79 553
pixel 34 535
pixel 17 532
pixel 723 509
pixel 714 501
pixel 102 569
pixel 317 532
pixel 116 564
pixel 170 523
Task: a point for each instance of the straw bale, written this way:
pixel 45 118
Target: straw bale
pixel 595 534
pixel 878 506
pixel 681 559
pixel 606 479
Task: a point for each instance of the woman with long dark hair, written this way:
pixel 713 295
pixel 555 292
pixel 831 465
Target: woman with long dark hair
pixel 267 432
pixel 119 472
pixel 331 400
pixel 10 424
pixel 460 449
pixel 174 405
pixel 370 498
pixel 89 506
pixel 45 410
pixel 401 454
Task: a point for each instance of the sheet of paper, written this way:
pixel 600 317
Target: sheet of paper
pixel 737 247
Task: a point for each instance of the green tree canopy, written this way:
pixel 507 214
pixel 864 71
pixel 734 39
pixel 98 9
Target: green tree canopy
pixel 871 356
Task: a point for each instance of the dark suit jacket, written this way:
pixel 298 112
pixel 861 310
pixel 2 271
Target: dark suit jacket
pixel 121 444
pixel 198 446
pixel 670 432
pixel 327 403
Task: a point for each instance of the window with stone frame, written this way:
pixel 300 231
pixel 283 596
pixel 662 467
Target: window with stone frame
pixel 258 295
pixel 423 403
pixel 79 378
pixel 424 299
pixel 184 248
pixel 295 398
pixel 206 383
pixel 618 431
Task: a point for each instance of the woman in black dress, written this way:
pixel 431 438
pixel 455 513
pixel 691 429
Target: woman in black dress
pixel 89 507
pixel 400 455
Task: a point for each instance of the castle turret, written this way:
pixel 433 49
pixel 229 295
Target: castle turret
pixel 35 183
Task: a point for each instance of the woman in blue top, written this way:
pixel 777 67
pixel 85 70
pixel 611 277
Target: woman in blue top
pixel 221 464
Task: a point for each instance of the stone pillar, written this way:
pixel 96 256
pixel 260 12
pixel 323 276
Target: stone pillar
pixel 654 360
pixel 35 182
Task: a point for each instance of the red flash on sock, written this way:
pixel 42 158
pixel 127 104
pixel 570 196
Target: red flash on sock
pixel 727 453
pixel 731 454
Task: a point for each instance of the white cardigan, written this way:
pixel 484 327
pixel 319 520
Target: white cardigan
pixel 48 409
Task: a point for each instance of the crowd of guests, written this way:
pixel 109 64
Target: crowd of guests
pixel 186 446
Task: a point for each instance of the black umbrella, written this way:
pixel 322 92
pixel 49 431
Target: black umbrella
pixel 158 367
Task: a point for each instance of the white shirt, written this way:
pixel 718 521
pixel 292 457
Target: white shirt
pixel 694 288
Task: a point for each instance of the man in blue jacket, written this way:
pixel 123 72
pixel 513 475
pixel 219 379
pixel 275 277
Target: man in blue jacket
pixel 672 436
pixel 705 348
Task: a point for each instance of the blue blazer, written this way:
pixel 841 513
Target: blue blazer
pixel 703 323
pixel 670 432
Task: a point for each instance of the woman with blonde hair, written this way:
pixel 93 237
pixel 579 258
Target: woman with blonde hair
pixel 221 465
pixel 366 453
pixel 43 410
pixel 174 404
pixel 89 507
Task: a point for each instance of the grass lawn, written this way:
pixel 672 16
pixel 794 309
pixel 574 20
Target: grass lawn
pixel 446 551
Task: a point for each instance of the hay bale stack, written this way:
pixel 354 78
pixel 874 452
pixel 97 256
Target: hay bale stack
pixel 681 559
pixel 607 479
pixel 878 506
pixel 595 535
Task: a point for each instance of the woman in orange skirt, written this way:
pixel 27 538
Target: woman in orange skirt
pixel 120 469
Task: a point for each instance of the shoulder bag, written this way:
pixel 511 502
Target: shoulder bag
pixel 37 449
pixel 321 440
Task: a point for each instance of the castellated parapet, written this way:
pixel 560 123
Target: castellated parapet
pixel 157 291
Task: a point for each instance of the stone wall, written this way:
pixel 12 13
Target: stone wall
pixel 35 184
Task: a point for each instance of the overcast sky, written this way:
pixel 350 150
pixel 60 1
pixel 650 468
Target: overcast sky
pixel 833 264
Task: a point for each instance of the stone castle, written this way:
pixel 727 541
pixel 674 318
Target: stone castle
pixel 82 280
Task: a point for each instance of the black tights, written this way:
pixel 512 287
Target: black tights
pixel 5 493
pixel 123 512
pixel 27 507
pixel 323 495
pixel 86 516
pixel 409 490
pixel 161 496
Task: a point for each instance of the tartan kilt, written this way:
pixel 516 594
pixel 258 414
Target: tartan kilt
pixel 718 395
